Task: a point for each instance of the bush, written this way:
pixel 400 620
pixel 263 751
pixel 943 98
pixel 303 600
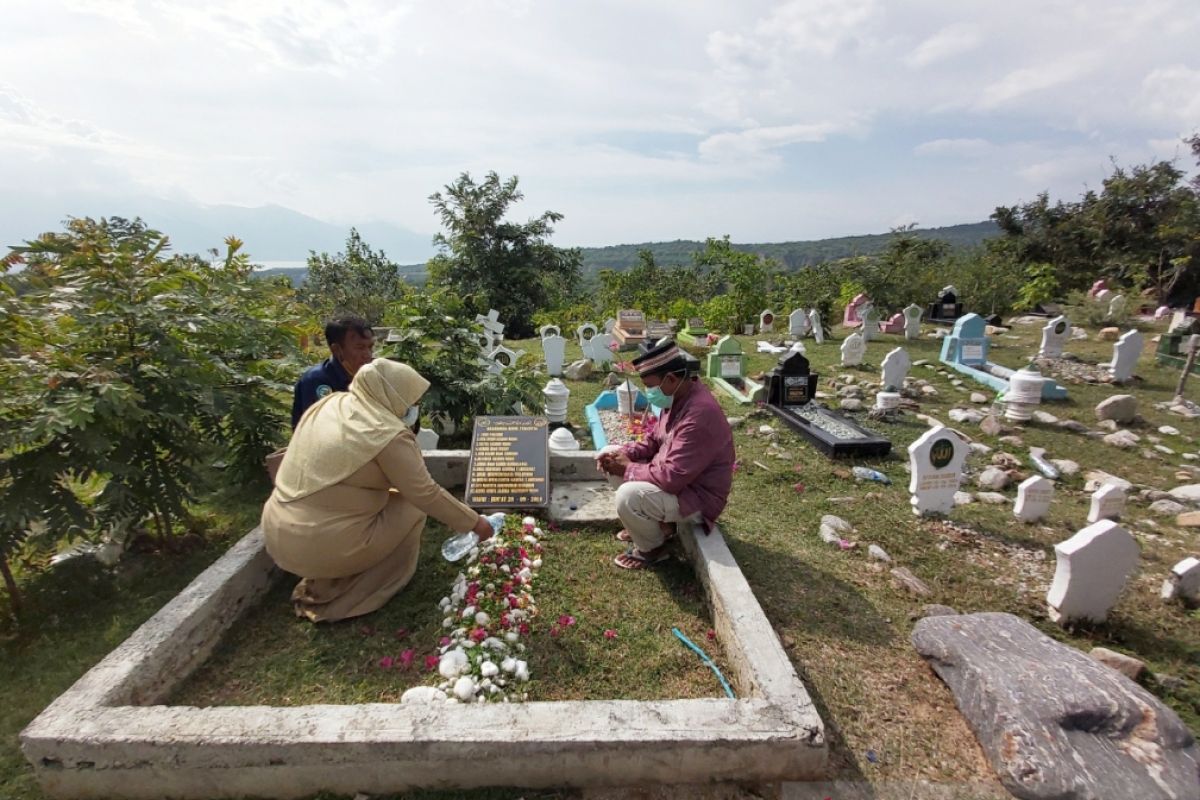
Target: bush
pixel 1090 313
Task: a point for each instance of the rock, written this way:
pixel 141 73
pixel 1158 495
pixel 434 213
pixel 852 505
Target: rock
pixel 1191 519
pixel 1128 666
pixel 1015 441
pixel 929 391
pixel 735 422
pixel 978 397
pixel 991 425
pixel 1164 450
pixel 992 478
pixel 1166 507
pixel 1183 582
pixel 1109 425
pixel 578 370
pixel 1188 493
pixel 912 583
pixel 1119 407
pixel 1044 417
pixel 991 498
pixel 1169 430
pixel 612 380
pixel 766 430
pixel 970 415
pixel 878 553
pixel 1053 722
pixel 850 391
pixel 1066 466
pixel 1096 478
pixel 980 448
pixel 833 527
pixel 1079 334
pixel 1006 460
pixel 1109 334
pixel 1122 439
pixel 1075 426
pixel 851 404
pixel 423 694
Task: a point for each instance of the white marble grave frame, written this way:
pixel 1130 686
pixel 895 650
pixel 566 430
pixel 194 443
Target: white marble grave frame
pixel 109 736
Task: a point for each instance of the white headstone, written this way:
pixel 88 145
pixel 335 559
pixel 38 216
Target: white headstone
pixel 895 368
pixel 427 439
pixel 870 322
pixel 798 322
pixel 766 321
pixel 1108 502
pixel 1054 337
pixel 609 324
pixel 1126 352
pixel 1033 498
pixel 554 347
pixel 599 349
pixel 492 325
pixel 549 330
pixel 852 350
pixel 936 463
pixel 1093 566
pixel 1116 305
pixel 814 317
pixel 584 334
pixel 501 359
pixel 912 321
pixel 1184 581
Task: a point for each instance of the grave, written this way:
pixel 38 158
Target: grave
pixel 870 322
pixel 493 330
pixel 1126 353
pixel 609 324
pixel 912 321
pixel 947 310
pixel 799 323
pixel 630 330
pixel 427 439
pixel 1055 335
pixel 1092 568
pixel 1034 496
pixel 895 324
pixel 766 322
pixel 1173 350
pixel 966 350
pixel 599 349
pixel 1108 502
pixel 111 735
pixel 726 368
pixel 851 316
pixel 1183 583
pixel 936 463
pixel 814 317
pixel 1116 306
pixel 607 401
pixel 1099 286
pixel 658 330
pixel 694 333
pixel 895 369
pixel 501 358
pixel 509 466
pixel 554 349
pixel 853 348
pixel 790 391
pixel 585 333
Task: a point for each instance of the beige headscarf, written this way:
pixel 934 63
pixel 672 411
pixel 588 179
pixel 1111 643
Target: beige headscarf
pixel 345 430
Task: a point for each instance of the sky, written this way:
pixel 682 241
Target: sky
pixel 642 120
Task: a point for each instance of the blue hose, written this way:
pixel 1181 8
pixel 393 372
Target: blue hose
pixel 704 657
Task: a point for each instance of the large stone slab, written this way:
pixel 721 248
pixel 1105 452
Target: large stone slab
pixel 1054 723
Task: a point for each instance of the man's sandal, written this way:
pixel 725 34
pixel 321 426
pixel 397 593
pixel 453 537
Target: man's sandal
pixel 634 559
pixel 667 528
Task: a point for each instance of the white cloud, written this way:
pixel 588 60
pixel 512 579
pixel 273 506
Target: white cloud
pixel 950 41
pixel 1026 80
pixel 755 142
pixel 820 26
pixel 962 148
pixel 1173 94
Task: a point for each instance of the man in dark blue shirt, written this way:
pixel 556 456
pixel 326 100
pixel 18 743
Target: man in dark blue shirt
pixel 351 345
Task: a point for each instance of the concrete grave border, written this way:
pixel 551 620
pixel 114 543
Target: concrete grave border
pixel 108 736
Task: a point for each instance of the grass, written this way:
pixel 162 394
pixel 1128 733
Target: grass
pixel 273 658
pixel 844 624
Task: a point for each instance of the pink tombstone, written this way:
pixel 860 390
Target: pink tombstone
pixel 1162 312
pixel 895 325
pixel 851 318
pixel 1097 287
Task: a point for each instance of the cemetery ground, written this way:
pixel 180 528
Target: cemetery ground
pixel 842 618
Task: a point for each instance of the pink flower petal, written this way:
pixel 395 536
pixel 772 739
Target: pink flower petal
pixel 431 663
pixel 610 633
pixel 566 620
pixel 386 662
pixel 406 658
pixel 711 635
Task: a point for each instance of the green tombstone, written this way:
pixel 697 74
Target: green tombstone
pixel 726 360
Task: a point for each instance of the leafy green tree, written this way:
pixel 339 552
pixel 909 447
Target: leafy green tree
pixel 494 263
pixel 359 281
pixel 132 370
pixel 745 277
pixel 654 289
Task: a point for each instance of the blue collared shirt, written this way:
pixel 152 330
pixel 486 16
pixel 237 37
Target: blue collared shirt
pixel 315 383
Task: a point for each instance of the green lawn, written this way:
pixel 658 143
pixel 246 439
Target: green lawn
pixel 844 624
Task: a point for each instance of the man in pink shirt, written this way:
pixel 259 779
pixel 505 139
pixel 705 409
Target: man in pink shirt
pixel 682 470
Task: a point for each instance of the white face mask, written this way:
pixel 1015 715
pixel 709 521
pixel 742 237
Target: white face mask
pixel 410 417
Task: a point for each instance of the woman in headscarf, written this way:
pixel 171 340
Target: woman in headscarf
pixel 352 495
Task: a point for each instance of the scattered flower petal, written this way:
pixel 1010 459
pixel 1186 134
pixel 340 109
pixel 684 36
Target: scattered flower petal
pixel 610 633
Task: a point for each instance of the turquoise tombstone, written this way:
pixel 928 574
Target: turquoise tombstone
pixel 967 344
pixel 726 360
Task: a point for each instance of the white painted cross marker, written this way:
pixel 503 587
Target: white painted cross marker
pixel 936 460
pixel 1092 568
pixel 1033 498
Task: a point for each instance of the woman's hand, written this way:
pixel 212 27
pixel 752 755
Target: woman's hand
pixel 483 529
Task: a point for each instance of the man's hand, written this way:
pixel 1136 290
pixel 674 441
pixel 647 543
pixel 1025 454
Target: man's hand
pixel 615 463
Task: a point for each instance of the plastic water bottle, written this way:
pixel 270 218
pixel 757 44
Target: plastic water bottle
pixel 456 547
pixel 868 474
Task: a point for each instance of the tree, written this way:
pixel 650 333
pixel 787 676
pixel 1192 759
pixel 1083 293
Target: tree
pixel 359 281
pixel 493 263
pixel 745 277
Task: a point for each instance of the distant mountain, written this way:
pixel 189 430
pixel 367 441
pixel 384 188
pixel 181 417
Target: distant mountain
pixel 270 233
pixel 793 255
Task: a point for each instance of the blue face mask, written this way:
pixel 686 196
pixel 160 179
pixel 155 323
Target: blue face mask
pixel 658 398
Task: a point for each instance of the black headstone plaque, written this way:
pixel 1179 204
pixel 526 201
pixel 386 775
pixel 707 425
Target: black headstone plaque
pixel 510 463
pixel 790 383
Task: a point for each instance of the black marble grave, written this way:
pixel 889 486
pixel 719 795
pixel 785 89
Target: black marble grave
pixel 791 387
pixel 946 310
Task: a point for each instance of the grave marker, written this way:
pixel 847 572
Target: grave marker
pixel 814 317
pixel 936 460
pixel 895 368
pixel 493 330
pixel 427 439
pixel 609 324
pixel 851 316
pixel 1116 305
pixel 912 321
pixel 870 323
pixel 1108 502
pixel 554 348
pixel 853 348
pixel 799 323
pixel 1092 568
pixel 1055 335
pixel 766 322
pixel 947 308
pixel 510 463
pixel 599 349
pixel 501 358
pixel 584 334
pixel 630 328
pixel 1034 496
pixel 1126 353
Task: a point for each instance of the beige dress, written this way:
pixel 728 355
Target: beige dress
pixel 356 543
